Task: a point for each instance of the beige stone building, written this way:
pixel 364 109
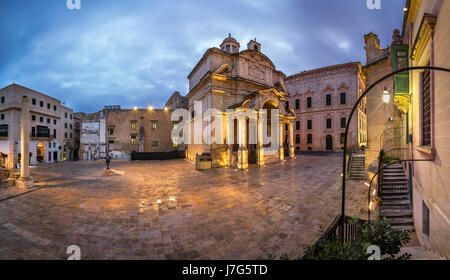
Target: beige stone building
pixel 93 135
pixel 227 78
pixel 139 130
pixel 322 100
pixel 47 126
pixel 426 31
pixel 383 118
pixel 413 125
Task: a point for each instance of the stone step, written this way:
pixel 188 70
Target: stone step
pixel 393 202
pixel 388 180
pixel 408 227
pixel 401 221
pixel 394 177
pixel 396 213
pixel 398 196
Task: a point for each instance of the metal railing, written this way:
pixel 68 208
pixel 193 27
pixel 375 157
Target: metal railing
pixel 338 227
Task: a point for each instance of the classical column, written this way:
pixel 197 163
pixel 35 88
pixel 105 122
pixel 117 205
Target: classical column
pixel 281 140
pixel 242 152
pixel 25 179
pixel 291 139
pixel 259 147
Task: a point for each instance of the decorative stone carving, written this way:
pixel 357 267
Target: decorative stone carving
pixel 256 72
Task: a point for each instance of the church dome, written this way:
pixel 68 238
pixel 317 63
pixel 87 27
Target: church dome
pixel 230 45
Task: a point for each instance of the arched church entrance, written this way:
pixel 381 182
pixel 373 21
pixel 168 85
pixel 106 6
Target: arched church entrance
pixel 40 152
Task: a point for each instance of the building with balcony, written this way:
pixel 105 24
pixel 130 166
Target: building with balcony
pixel 46 126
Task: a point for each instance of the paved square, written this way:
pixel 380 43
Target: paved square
pixel 167 210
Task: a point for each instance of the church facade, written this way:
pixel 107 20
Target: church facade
pixel 226 78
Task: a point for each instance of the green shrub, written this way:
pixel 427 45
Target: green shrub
pixel 381 233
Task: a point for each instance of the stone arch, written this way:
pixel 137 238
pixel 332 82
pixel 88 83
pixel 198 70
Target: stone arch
pixel 41 152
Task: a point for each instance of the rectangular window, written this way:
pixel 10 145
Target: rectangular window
pixel 309 138
pixel 154 126
pixel 70 126
pixel 343 98
pixel 328 99
pixel 33 101
pixel 111 131
pixel 65 134
pixel 54 122
pixel 286 127
pixel 425 219
pixel 342 138
pixel 286 105
pixel 48 120
pixel 65 115
pixel 41 119
pixel 70 116
pixel 328 123
pixel 41 103
pixel 309 102
pixel 49 106
pixel 297 138
pixel 133 140
pixel 54 133
pixel 343 122
pixel 154 143
pixel 426 108
pixel 297 104
pixel 54 107
pixel 297 125
pixel 111 144
pixel 3 99
pixel 2 116
pixel 309 124
pixel 33 131
pixel 65 125
pixel 133 125
pixel 70 135
pixel 33 117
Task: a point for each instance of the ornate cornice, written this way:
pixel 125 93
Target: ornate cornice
pixel 423 35
pixel 412 10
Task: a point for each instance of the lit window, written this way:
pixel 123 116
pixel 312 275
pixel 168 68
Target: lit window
pixel 154 126
pixel 133 125
pixel 154 143
pixel 133 140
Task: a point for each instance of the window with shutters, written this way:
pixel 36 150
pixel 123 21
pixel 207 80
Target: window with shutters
pixel 426 108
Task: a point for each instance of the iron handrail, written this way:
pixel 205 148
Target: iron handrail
pixel 382 134
pixel 380 170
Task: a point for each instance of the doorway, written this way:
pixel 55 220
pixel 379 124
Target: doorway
pixel 40 152
pixel 329 143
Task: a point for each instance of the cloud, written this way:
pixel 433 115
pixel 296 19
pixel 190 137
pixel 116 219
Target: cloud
pixel 137 53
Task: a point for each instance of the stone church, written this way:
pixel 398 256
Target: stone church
pixel 227 78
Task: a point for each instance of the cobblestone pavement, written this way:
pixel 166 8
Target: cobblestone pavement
pixel 167 210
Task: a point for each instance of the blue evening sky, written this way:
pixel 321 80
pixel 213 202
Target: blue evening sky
pixel 138 52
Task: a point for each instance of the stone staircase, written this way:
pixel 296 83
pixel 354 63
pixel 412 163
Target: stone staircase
pixel 395 205
pixel 357 167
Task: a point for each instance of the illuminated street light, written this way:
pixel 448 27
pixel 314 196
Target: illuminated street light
pixel 150 108
pixel 135 108
pixel 386 96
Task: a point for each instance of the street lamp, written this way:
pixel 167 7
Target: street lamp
pixel 150 108
pixel 386 96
